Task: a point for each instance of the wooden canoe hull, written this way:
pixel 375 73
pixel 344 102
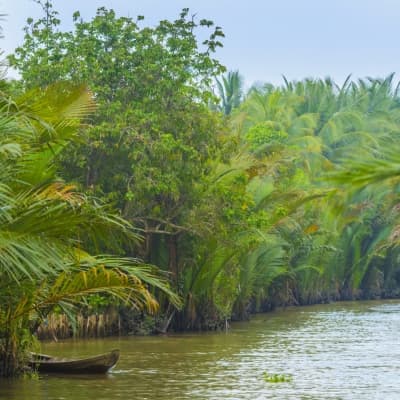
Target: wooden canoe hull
pixel 92 365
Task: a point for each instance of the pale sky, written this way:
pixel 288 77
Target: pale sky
pixel 265 39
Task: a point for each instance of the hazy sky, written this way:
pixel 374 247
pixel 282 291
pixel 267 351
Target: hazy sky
pixel 265 39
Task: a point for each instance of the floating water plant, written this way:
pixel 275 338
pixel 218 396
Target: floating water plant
pixel 275 378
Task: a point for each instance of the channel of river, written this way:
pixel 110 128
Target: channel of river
pixel 336 351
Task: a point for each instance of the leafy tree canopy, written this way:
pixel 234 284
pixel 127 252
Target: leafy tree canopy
pixel 153 134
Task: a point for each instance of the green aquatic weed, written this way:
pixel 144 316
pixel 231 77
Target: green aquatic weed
pixel 275 378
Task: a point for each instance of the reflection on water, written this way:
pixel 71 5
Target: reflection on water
pixel 339 351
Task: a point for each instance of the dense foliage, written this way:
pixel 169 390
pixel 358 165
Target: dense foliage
pixel 48 228
pixel 248 202
pixel 320 137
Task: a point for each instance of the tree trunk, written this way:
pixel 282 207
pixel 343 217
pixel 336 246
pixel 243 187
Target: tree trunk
pixel 173 257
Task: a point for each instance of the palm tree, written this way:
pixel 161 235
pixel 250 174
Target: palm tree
pixel 48 228
pixel 230 91
pixel 302 131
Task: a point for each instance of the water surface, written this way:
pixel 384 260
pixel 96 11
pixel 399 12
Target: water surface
pixel 338 351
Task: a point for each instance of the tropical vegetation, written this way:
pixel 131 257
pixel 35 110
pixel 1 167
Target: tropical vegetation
pixel 51 234
pixel 210 203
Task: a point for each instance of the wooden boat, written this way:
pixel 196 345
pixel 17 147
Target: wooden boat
pixel 91 365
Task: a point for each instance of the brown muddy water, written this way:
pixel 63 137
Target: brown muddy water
pixel 337 351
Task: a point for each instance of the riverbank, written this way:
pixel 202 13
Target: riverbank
pixel 121 321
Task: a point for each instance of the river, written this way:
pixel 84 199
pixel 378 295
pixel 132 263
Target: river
pixel 336 351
